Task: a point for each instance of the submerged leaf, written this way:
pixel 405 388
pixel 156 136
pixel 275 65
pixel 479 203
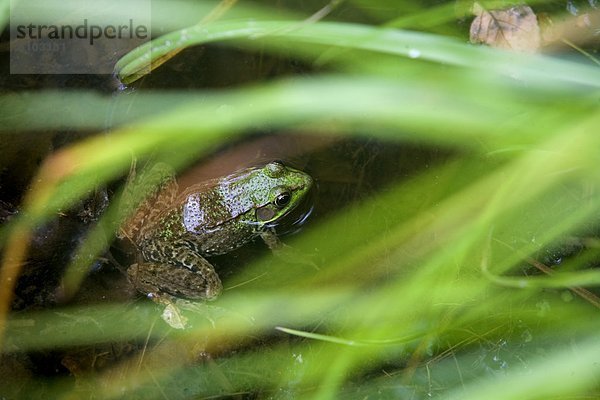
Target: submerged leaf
pixel 515 28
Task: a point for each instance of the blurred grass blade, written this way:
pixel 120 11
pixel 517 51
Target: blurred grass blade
pixel 4 13
pixel 543 378
pixel 393 110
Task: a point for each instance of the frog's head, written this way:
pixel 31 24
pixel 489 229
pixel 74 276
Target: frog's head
pixel 287 188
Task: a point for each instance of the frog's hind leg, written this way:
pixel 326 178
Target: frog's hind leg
pixel 158 279
pixel 144 197
pixel 186 274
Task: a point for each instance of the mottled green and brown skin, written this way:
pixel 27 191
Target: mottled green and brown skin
pixel 174 233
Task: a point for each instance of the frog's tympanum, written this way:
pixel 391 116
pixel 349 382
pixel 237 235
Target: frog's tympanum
pixel 174 233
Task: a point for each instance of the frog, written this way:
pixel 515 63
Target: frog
pixel 175 233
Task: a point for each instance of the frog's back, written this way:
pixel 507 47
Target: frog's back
pixel 203 209
pixel 202 219
pixel 216 202
pixel 144 199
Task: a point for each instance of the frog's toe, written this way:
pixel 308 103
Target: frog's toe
pixel 213 290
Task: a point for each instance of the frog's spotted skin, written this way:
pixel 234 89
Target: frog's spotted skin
pixel 211 218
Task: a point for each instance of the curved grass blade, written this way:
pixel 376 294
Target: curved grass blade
pixel 533 69
pixel 349 342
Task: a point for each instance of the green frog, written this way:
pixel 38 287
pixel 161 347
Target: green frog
pixel 174 233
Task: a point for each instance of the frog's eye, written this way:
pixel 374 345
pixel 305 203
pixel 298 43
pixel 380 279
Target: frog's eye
pixel 275 169
pixel 283 199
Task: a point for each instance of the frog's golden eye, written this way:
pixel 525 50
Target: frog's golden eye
pixel 283 199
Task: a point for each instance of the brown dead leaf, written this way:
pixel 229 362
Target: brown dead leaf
pixel 515 28
pixel 582 29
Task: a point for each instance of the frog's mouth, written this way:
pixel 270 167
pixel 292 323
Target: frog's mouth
pixel 296 224
pixel 293 220
pixel 289 222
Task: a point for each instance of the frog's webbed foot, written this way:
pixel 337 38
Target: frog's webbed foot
pixel 177 312
pixel 272 241
pixel 144 197
pixel 182 314
pixel 285 252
